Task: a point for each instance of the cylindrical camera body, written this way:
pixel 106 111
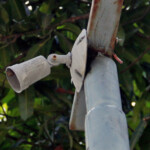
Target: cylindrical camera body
pixel 21 76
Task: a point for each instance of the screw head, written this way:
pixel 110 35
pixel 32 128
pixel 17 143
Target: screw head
pixel 54 57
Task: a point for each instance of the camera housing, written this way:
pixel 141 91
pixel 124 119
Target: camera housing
pixel 21 76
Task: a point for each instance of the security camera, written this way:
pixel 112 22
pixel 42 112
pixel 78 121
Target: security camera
pixel 21 76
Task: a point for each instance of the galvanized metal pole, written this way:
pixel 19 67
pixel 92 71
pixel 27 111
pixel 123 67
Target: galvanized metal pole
pixel 105 124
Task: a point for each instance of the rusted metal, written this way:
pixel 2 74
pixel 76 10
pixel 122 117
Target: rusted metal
pixel 105 122
pixel 103 24
pixel 93 11
pixel 119 3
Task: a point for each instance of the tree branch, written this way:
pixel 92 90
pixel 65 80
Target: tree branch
pixel 14 37
pixel 143 36
pixel 14 61
pixel 73 19
pixel 17 59
pixel 135 61
pixel 146 119
pixel 130 128
pixel 139 18
pixel 63 91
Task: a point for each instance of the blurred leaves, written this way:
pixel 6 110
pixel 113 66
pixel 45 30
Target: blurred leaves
pixel 137 134
pixel 4 18
pixel 65 44
pixel 35 49
pixel 121 36
pixel 144 140
pixel 48 6
pixel 17 10
pixel 26 100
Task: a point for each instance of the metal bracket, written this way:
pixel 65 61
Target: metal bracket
pixel 55 59
pixel 78 68
pixel 78 112
pixel 21 76
pixel 76 60
pixel 79 60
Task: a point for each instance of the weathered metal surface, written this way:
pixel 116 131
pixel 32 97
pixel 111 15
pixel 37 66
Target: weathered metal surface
pixel 21 76
pixel 103 24
pixel 79 59
pixel 55 59
pixel 77 119
pixel 105 125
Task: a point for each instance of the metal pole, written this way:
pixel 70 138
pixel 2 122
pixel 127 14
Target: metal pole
pixel 105 124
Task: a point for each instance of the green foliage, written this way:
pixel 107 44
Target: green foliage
pixel 26 100
pixel 137 134
pixel 37 119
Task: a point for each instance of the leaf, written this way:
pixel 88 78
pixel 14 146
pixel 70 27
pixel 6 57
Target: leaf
pixel 17 9
pixel 46 20
pixel 3 132
pixel 134 15
pixel 128 55
pixel 69 135
pixel 35 49
pixel 71 27
pixel 46 49
pixel 19 142
pixel 47 6
pixel 4 57
pixel 146 58
pixel 121 36
pixel 2 78
pixel 138 76
pixel 10 95
pixel 58 73
pixel 22 26
pixel 4 17
pixel 6 54
pixel 126 82
pixel 140 106
pixel 26 100
pixel 64 43
pixel 137 134
pixel 144 140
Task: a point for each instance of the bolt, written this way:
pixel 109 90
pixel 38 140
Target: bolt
pixel 54 57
